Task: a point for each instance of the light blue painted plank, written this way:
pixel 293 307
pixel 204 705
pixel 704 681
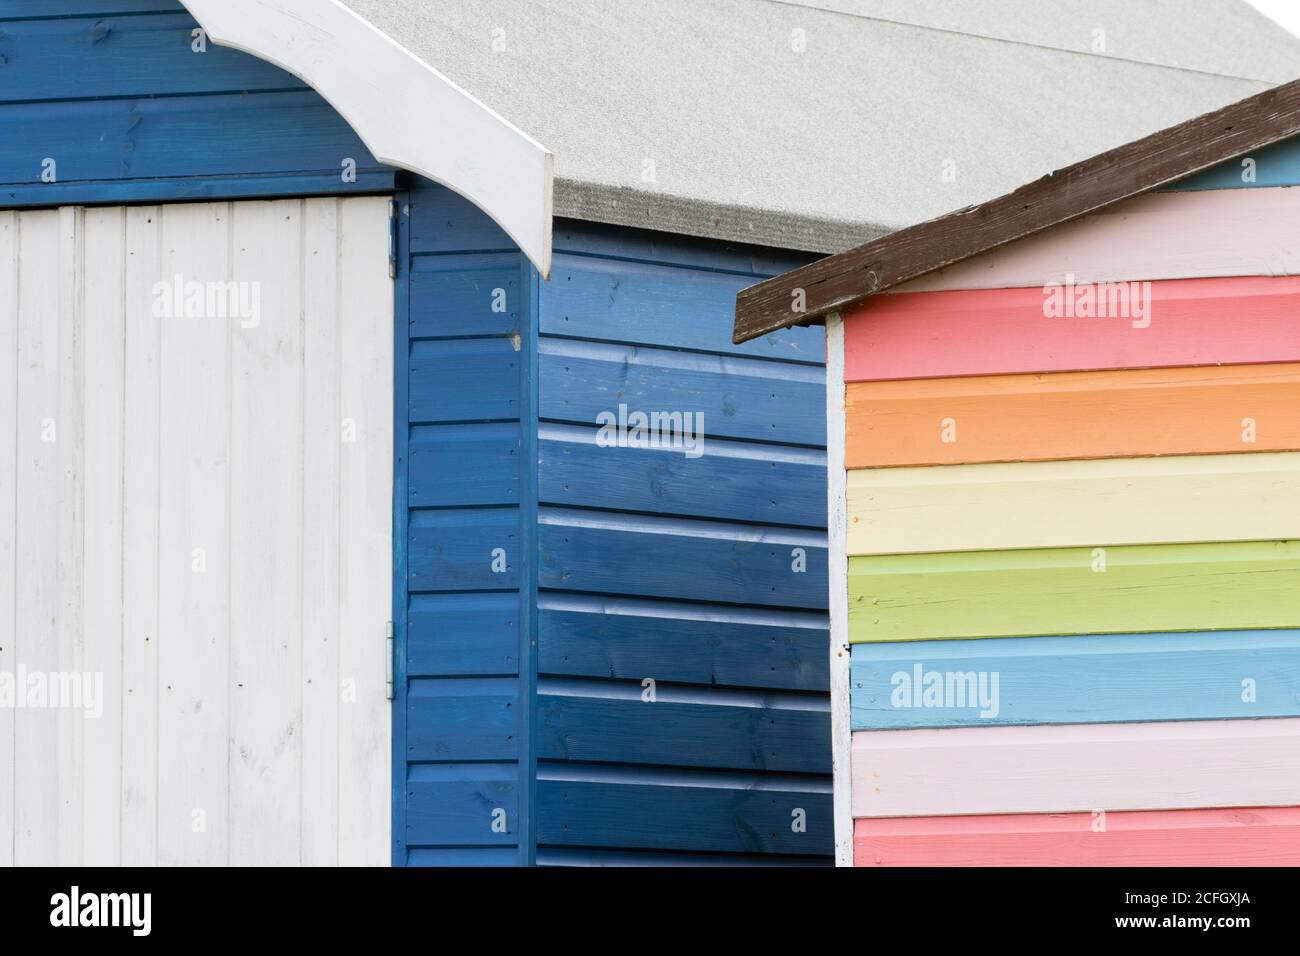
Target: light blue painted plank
pixel 463 296
pixel 764 485
pixel 464 380
pixel 582 636
pixel 462 634
pixel 1080 680
pixel 600 722
pixel 746 816
pixel 464 465
pixel 737 398
pixel 452 805
pixel 699 561
pixel 464 550
pixel 1276 165
pixel 132 56
pixel 648 304
pixel 463 719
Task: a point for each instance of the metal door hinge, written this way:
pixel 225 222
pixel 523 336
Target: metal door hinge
pixel 390 652
pixel 392 238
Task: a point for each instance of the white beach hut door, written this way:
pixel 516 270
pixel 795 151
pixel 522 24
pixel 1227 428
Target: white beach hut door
pixel 195 533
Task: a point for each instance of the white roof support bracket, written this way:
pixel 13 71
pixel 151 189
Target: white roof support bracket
pixel 407 113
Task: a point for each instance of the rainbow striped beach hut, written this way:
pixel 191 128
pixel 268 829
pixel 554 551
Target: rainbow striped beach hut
pixel 1064 502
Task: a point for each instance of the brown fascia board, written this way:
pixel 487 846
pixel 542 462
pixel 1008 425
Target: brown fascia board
pixel 1173 154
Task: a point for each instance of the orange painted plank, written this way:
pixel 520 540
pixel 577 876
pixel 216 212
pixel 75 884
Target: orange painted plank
pixel 1268 836
pixel 1134 413
pixel 1224 321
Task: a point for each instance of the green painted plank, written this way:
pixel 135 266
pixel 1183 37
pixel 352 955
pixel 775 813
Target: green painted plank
pixel 1189 587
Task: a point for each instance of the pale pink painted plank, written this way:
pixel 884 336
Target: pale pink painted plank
pixel 1258 836
pixel 1234 321
pixel 1224 232
pixel 1076 768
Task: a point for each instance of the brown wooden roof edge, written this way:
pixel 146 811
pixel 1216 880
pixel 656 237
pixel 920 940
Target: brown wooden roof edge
pixel 807 295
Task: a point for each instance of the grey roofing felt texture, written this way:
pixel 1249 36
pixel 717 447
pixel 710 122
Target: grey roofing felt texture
pixel 850 138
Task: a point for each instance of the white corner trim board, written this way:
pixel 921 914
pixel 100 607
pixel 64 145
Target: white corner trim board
pixel 1179 765
pixel 408 114
pixel 841 730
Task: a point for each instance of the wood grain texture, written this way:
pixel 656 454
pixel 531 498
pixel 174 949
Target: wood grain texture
pixel 1254 836
pixel 1089 679
pixel 1179 587
pixel 1065 504
pixel 1224 321
pixel 1076 768
pixel 1093 184
pixel 1115 414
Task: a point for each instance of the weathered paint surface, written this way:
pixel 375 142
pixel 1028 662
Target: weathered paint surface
pixel 647 652
pixel 200 517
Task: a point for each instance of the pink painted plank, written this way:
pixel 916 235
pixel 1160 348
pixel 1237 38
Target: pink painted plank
pixel 1235 321
pixel 1264 836
pixel 1187 235
pixel 1076 768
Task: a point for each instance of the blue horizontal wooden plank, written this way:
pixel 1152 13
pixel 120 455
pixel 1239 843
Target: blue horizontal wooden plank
pixel 501 856
pixel 764 485
pixel 584 856
pixel 444 222
pixel 464 550
pixel 695 816
pixel 464 465
pixel 621 243
pixel 464 380
pixel 462 296
pixel 44 9
pixel 126 56
pixel 629 640
pixel 212 188
pixel 462 634
pixel 683 560
pixel 462 719
pixel 177 137
pixel 1276 165
pixel 745 399
pixel 612 723
pixel 648 304
pixel 454 805
pixel 1078 680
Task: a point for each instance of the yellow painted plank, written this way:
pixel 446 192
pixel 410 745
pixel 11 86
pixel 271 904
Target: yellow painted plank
pixel 1062 504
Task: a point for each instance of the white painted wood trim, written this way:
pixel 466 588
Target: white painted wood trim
pixel 1061 504
pixel 1179 765
pixel 841 719
pixel 408 114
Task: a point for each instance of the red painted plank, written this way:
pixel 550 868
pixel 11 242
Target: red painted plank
pixel 1221 321
pixel 1268 836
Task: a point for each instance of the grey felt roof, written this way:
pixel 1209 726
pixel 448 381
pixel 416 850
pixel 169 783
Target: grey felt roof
pixel 894 111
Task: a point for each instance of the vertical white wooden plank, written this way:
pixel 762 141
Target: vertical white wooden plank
pixel 8 475
pixel 366 486
pixel 105 338
pixel 322 437
pixel 194 547
pixel 71 524
pixel 36 785
pixel 266 482
pixel 837 543
pixel 140 594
